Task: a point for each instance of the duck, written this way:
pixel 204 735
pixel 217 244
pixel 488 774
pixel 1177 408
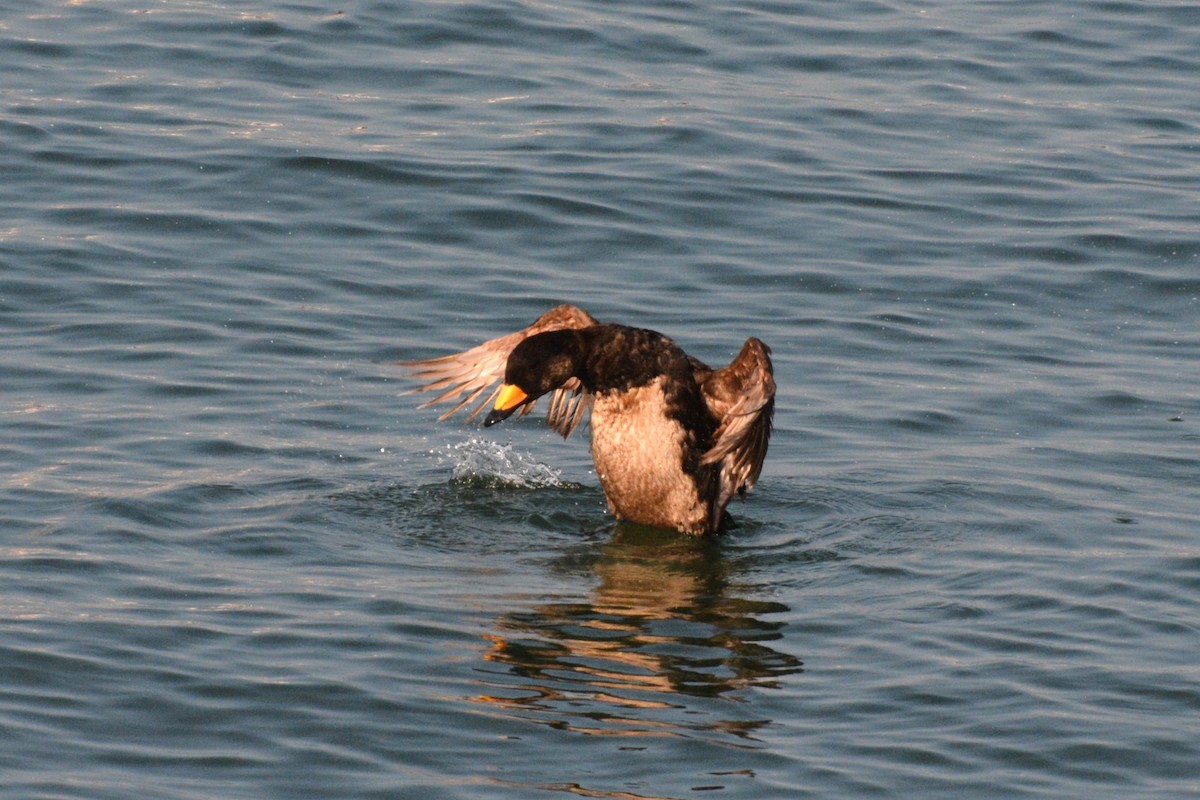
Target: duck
pixel 673 440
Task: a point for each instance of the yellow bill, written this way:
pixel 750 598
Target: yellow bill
pixel 508 401
pixel 510 397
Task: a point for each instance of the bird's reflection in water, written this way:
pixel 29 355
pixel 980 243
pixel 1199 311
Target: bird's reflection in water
pixel 660 649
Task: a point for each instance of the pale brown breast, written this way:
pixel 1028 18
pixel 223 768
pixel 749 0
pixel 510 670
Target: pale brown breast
pixel 639 454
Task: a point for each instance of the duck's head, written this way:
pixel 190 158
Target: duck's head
pixel 537 365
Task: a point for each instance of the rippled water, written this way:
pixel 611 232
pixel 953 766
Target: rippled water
pixel 239 562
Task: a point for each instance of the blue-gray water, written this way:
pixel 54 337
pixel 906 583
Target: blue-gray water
pixel 239 563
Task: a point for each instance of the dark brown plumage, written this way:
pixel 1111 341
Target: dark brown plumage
pixel 673 440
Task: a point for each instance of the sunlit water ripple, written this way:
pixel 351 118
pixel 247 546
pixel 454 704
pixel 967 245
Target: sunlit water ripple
pixel 240 562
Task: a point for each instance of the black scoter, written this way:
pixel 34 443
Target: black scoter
pixel 673 439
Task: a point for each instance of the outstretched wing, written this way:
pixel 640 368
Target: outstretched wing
pixel 741 397
pixel 463 378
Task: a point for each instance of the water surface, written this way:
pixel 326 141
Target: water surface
pixel 239 562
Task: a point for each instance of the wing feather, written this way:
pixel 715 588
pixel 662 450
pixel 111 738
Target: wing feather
pixel 472 372
pixel 741 397
pixel 567 407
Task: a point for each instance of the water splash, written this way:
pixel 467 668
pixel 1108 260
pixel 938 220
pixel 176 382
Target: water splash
pixel 482 462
